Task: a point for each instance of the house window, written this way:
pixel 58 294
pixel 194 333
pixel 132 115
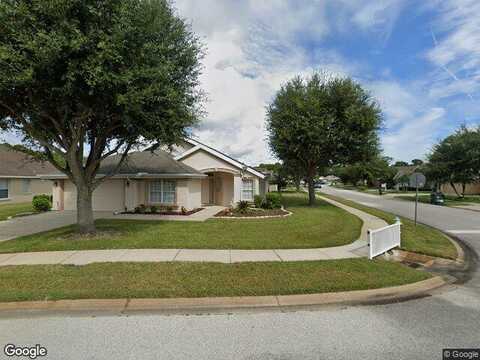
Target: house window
pixel 162 192
pixel 26 186
pixel 247 189
pixel 3 189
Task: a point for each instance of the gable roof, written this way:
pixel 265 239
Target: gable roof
pixel 405 171
pixel 197 145
pixel 15 163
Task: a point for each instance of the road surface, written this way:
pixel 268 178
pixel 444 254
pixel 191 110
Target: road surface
pixel 417 329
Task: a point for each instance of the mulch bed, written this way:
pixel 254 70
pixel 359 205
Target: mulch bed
pixel 189 212
pixel 252 213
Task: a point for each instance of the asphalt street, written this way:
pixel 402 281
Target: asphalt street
pixel 416 329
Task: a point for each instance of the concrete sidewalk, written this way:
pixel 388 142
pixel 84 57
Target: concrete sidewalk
pixel 82 257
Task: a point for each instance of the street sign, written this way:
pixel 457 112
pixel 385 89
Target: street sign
pixel 417 180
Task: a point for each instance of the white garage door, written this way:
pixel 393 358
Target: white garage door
pixel 109 196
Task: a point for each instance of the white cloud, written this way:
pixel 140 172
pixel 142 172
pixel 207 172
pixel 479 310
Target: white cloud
pixel 456 49
pixel 255 46
pixel 416 137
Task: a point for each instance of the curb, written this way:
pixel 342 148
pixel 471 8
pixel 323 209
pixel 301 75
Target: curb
pixel 222 304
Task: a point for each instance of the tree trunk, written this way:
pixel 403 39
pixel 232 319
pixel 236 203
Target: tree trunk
pixel 85 221
pixel 454 189
pixel 464 185
pixel 297 184
pixel 311 191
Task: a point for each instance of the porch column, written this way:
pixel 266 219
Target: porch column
pixel 237 188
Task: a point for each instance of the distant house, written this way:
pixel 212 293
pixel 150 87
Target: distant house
pixel 401 178
pixel 19 179
pixel 190 175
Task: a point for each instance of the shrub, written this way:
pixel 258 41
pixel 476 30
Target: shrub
pixel 184 210
pixel 153 209
pixel 140 209
pixel 273 201
pixel 43 196
pixel 242 206
pixel 258 201
pixel 42 203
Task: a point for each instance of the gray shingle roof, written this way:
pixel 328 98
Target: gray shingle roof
pixel 157 162
pixel 17 164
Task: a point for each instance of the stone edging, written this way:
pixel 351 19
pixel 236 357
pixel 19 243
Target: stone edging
pixel 255 217
pixel 219 304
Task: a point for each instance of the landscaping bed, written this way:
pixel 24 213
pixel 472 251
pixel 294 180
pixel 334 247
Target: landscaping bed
pixel 322 225
pixel 252 213
pixel 168 280
pixel 165 212
pixel 421 239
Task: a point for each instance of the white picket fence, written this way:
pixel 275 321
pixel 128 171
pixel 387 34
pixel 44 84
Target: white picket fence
pixel 383 239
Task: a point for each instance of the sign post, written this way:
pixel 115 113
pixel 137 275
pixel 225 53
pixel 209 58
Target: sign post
pixel 417 180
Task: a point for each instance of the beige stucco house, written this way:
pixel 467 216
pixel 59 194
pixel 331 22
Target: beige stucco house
pixel 189 175
pixel 19 180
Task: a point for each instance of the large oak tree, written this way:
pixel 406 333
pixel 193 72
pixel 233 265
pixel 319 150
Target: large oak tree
pixel 320 122
pixel 81 80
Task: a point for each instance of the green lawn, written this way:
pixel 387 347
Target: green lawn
pixel 7 210
pixel 309 227
pixel 421 238
pixel 164 280
pixel 450 200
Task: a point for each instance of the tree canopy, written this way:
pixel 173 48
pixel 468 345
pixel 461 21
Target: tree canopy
pixel 81 80
pixel 320 121
pixel 374 172
pixel 456 159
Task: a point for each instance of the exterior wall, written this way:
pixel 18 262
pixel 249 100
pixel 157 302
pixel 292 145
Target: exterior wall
pixel 470 189
pixel 224 193
pixel 201 160
pixel 109 196
pixel 205 190
pixel 189 193
pixel 17 195
pixel 264 186
pixel 114 195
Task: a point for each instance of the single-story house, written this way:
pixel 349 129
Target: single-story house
pixel 189 175
pixel 19 180
pixel 401 177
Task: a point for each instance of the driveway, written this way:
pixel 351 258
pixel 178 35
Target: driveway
pixel 28 225
pixel 33 224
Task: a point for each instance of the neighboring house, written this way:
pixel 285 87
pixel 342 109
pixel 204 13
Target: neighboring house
pixel 189 175
pixel 401 177
pixel 19 176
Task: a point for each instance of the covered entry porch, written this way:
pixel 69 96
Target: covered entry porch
pixel 226 187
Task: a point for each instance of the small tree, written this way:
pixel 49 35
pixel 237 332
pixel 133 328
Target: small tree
pixel 84 79
pixel 322 122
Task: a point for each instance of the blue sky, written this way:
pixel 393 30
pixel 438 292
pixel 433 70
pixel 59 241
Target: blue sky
pixel 419 59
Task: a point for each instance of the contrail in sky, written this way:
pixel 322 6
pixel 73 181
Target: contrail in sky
pixel 450 73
